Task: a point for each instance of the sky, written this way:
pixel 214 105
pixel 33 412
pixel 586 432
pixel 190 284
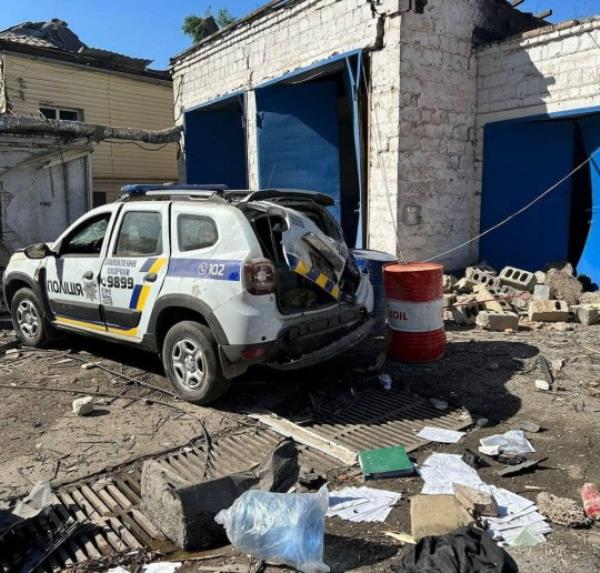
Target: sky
pixel 151 29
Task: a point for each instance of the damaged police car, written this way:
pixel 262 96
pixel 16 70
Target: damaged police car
pixel 213 280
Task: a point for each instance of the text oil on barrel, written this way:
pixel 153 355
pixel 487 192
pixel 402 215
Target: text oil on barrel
pixel 414 301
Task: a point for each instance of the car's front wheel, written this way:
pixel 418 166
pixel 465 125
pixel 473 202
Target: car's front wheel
pixel 28 318
pixel 189 355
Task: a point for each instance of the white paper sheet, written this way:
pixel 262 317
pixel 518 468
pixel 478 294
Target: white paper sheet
pixel 362 504
pixel 511 442
pixel 440 471
pixel 440 435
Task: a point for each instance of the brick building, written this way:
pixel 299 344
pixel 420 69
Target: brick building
pixel 385 105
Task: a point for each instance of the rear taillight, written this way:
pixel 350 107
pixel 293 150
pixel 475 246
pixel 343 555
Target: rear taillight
pixel 260 276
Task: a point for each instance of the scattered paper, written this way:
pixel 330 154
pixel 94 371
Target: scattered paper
pixel 401 537
pixel 440 471
pixel 362 504
pixel 40 497
pixel 118 569
pixel 162 567
pixel 440 435
pixel 511 442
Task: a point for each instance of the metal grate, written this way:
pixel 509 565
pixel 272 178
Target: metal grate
pixel 112 504
pixel 379 419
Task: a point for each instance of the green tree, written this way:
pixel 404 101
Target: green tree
pixel 199 27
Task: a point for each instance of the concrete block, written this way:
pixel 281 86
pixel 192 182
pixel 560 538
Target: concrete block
pixel 490 302
pixel 465 314
pixel 564 286
pixel 497 321
pixel 475 501
pixel 518 299
pixel 518 278
pixel 83 406
pixel 588 314
pixel 541 292
pixel 548 311
pixel 476 276
pixel 449 300
pixel 463 286
pixel 540 277
pixel 448 282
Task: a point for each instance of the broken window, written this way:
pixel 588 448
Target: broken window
pixel 195 232
pixel 61 113
pixel 87 239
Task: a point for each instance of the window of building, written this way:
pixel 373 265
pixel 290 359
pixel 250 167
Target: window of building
pixel 61 113
pixel 195 232
pixel 140 234
pixel 87 238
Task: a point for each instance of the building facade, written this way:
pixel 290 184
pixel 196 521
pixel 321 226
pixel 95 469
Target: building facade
pixel 46 71
pixel 374 103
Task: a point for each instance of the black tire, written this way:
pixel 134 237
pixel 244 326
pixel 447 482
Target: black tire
pixel 189 356
pixel 28 318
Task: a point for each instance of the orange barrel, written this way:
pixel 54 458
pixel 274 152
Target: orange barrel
pixel 414 300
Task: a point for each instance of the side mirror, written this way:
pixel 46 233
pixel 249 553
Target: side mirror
pixel 38 251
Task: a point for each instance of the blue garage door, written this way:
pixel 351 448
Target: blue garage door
pixel 215 144
pixel 589 264
pixel 298 141
pixel 521 160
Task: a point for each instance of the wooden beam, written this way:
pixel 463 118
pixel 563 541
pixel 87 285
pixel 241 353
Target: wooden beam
pixel 78 129
pixel 543 15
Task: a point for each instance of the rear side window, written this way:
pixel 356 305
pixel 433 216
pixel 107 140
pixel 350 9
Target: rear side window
pixel 195 232
pixel 140 234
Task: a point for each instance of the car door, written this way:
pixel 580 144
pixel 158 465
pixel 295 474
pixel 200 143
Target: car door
pixel 135 267
pixel 72 277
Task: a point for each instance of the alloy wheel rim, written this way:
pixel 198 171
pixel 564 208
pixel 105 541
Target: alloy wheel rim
pixel 187 360
pixel 28 319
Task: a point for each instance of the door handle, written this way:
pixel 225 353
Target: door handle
pixel 88 275
pixel 150 277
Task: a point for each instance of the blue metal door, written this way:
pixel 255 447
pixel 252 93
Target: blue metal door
pixel 298 138
pixel 589 263
pixel 521 160
pixel 215 145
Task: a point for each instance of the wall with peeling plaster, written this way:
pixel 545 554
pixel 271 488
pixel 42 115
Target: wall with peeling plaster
pixel 422 113
pixel 39 198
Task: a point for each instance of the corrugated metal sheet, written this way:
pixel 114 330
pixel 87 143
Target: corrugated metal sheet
pixel 379 419
pixel 112 505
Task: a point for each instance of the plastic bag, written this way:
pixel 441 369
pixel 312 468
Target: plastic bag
pixel 281 528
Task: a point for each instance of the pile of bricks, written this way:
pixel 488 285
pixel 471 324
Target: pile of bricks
pixel 502 301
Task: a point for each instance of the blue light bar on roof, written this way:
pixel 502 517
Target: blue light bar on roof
pixel 142 188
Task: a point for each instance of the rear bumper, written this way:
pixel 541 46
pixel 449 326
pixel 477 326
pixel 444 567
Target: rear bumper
pixel 330 350
pixel 303 342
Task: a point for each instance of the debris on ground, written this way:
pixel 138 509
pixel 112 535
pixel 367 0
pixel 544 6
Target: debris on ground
pixel 590 494
pixel 385 463
pixel 280 528
pixel 184 511
pixel 362 504
pixel 511 442
pixel 562 510
pixel 401 537
pixel 37 501
pixel 475 501
pixel 521 467
pixel 437 514
pixel 441 471
pixel 542 385
pixel 440 435
pixel 530 427
pixel 467 550
pixel 83 406
pixel 386 381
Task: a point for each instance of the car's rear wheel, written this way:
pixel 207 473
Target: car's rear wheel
pixel 189 355
pixel 28 318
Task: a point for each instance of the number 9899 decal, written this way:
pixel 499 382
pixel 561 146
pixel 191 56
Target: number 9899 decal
pixel 117 282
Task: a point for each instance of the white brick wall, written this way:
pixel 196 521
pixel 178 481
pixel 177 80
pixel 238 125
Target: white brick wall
pixel 549 70
pixel 422 120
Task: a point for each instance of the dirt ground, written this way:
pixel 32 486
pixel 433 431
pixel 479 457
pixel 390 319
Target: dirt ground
pixel 490 374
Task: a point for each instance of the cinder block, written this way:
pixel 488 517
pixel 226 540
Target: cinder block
pixel 490 302
pixel 541 292
pixel 540 277
pixel 497 321
pixel 448 282
pixel 449 300
pixel 588 314
pixel 518 279
pixel 465 314
pixel 476 276
pixel 548 311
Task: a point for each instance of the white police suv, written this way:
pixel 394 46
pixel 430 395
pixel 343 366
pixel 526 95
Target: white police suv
pixel 214 280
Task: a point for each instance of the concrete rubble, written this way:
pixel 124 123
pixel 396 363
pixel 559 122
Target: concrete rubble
pixel 502 301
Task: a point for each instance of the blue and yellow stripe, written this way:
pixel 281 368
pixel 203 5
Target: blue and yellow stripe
pixel 313 274
pixel 140 292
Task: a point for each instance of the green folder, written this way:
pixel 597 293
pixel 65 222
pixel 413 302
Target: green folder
pixel 385 463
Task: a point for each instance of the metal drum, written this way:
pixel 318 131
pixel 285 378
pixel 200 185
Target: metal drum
pixel 373 261
pixel 414 301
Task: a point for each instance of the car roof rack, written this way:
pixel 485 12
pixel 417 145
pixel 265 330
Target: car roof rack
pixel 168 191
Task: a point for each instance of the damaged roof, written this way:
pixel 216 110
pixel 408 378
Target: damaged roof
pixel 54 39
pixel 502 18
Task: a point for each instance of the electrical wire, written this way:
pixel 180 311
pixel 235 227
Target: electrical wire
pixel 515 214
pixel 139 145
